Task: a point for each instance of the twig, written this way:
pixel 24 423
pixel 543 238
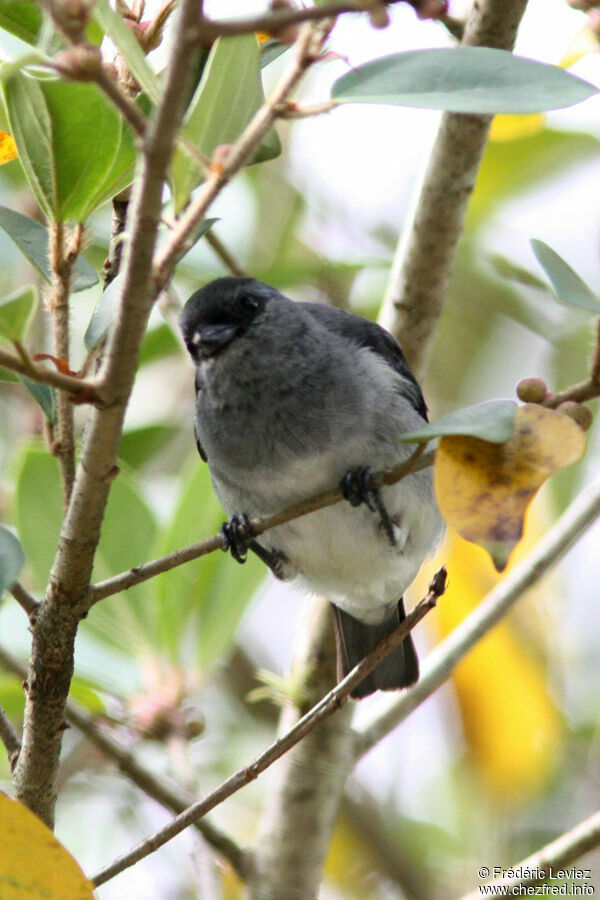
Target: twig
pixel 259 524
pixel 586 390
pixel 554 856
pixel 322 710
pixel 84 391
pixel 272 22
pixel 425 254
pixel 307 49
pixel 224 254
pixel 24 599
pixel 126 107
pixel 10 739
pixel 438 666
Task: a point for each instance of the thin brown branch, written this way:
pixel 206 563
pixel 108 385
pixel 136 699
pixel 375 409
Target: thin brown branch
pixel 63 445
pixel 321 711
pixel 83 391
pixel 123 103
pixel 10 739
pixel 278 19
pixel 425 254
pixel 224 254
pixel 554 856
pixel 258 524
pixel 440 663
pixel 24 599
pixel 306 51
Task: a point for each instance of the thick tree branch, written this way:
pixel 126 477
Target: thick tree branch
pixel 51 667
pixel 258 524
pixel 325 708
pixel 305 788
pixel 425 255
pixel 438 666
pixel 554 856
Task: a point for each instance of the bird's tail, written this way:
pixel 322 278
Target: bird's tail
pixel 355 639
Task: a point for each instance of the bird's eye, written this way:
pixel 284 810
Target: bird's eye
pixel 249 303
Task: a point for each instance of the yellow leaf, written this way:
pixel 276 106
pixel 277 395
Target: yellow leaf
pixel 33 864
pixel 8 148
pixel 510 127
pixel 484 489
pixel 512 729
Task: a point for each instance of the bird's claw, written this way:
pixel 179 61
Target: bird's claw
pixel 358 486
pixel 236 535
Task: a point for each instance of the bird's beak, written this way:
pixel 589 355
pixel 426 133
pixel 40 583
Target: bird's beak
pixel 213 338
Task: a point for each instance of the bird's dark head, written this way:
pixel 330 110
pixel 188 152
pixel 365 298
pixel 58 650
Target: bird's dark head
pixel 220 312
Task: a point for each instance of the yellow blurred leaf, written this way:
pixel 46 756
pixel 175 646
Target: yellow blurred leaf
pixel 584 42
pixel 509 127
pixel 484 489
pixel 8 148
pixel 512 728
pixel 33 864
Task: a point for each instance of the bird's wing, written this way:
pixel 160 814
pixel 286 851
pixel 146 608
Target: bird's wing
pixel 364 333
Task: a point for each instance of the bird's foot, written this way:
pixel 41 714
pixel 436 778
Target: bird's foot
pixel 358 486
pixel 236 535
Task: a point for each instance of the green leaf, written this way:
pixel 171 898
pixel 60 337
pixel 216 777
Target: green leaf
pixel 31 127
pixel 570 289
pixel 44 395
pixel 199 605
pixel 12 558
pixel 158 343
pixel 51 122
pixel 32 240
pixel 16 311
pixel 506 268
pixel 21 18
pixel 104 314
pixel 490 421
pixel 39 509
pixel 124 39
pixel 462 79
pixel 229 93
pixel 140 445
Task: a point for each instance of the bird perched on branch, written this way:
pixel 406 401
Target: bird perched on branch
pixel 293 399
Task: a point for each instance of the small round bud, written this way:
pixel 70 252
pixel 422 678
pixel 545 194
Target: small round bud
pixel 532 390
pixel 379 16
pixel 576 411
pixel 80 63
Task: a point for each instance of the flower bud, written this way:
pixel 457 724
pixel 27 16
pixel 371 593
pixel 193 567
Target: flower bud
pixel 532 390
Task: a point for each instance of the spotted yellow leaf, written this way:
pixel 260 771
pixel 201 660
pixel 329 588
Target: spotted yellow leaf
pixel 484 489
pixel 8 148
pixel 33 864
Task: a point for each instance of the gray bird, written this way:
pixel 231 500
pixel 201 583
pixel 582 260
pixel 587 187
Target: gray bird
pixel 293 399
